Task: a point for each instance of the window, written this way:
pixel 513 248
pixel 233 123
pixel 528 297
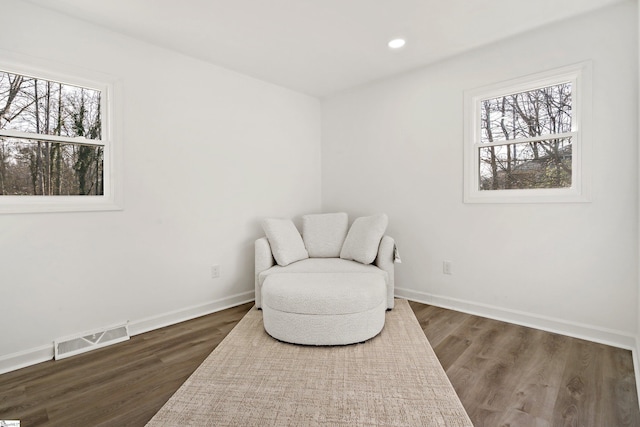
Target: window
pixel 56 146
pixel 525 140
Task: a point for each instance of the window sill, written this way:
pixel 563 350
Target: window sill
pixel 48 204
pixel 565 195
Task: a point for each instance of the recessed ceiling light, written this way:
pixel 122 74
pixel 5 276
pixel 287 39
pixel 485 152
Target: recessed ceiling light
pixel 396 43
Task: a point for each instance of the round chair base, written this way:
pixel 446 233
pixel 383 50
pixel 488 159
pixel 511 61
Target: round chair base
pixel 324 309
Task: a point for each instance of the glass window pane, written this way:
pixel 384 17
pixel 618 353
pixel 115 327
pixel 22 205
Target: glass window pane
pixel 537 112
pixel 45 107
pixel 29 167
pixel 541 164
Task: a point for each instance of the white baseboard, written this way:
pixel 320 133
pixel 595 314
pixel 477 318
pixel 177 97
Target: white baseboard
pixel 636 365
pixel 166 319
pixel 22 359
pixel 559 326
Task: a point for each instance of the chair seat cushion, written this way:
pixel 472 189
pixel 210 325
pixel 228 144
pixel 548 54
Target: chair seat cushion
pixel 324 293
pixel 323 265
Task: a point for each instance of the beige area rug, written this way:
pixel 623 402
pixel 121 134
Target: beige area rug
pixel 250 379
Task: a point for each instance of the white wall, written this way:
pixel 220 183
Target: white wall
pixel 636 359
pixel 207 154
pixel 396 146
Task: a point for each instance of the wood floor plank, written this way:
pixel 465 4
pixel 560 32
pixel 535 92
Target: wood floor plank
pixel 440 322
pixel 508 375
pixel 505 375
pixel 621 386
pixel 580 397
pixel 537 386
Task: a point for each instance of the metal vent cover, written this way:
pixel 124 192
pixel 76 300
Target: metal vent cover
pixel 70 346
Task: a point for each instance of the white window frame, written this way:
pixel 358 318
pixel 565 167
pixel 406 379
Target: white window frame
pixel 580 77
pixel 110 138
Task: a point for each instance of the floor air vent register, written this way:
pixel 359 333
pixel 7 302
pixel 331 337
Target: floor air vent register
pixel 70 346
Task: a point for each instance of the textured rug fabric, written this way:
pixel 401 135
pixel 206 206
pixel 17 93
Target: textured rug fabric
pixel 250 379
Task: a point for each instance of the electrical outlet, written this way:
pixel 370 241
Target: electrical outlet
pixel 215 271
pixel 447 267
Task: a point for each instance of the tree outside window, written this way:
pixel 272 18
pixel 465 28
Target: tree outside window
pixel 531 153
pixel 50 138
pixel 524 139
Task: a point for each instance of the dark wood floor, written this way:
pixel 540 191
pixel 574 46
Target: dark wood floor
pixel 505 375
pixel 121 385
pixel 510 375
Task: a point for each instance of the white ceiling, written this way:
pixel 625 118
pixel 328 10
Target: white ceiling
pixel 321 47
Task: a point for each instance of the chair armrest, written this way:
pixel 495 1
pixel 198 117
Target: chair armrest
pixel 263 261
pixel 384 260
